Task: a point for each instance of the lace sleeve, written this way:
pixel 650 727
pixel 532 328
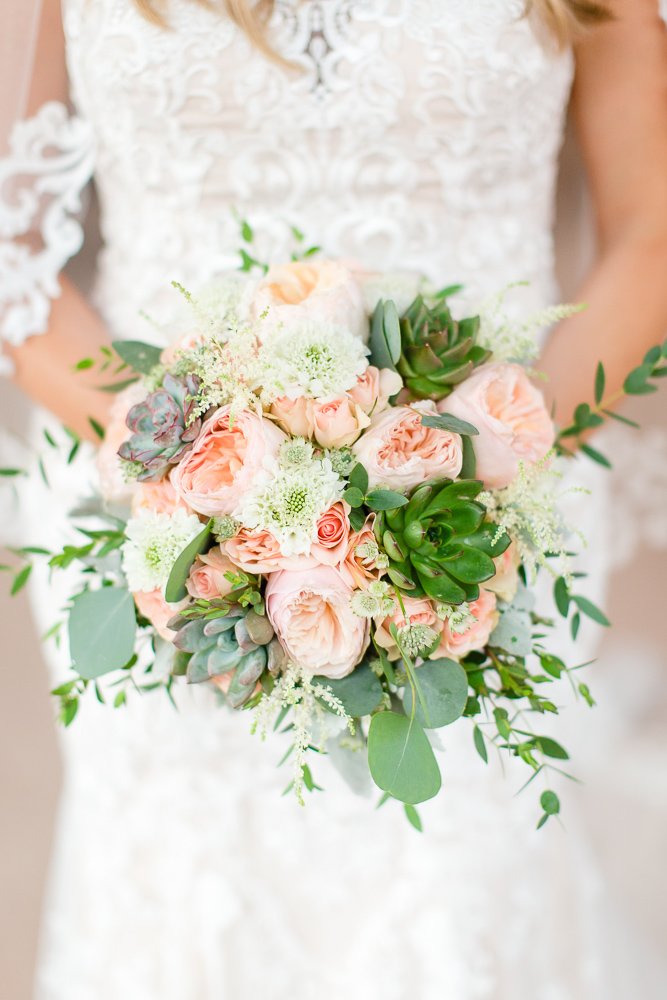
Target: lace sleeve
pixel 50 162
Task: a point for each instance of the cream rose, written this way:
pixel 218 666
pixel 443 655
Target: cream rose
pixel 259 552
pixel 310 612
pixel 224 460
pixel 337 422
pixel 506 580
pixel 207 580
pixel 294 415
pixel 320 291
pixel 418 611
pixel 113 486
pixel 399 452
pixel 456 644
pixel 511 417
pixel 152 605
pixel 332 535
pixel 374 388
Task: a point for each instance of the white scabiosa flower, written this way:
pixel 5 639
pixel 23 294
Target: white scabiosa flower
pixel 311 360
pixel 154 542
pixel 288 502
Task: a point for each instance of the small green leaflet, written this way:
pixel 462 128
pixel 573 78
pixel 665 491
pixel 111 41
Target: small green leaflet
pixel 102 629
pixel 175 590
pixel 385 500
pixel 139 356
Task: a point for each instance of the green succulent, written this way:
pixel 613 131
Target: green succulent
pixel 440 543
pixel 437 351
pixel 235 642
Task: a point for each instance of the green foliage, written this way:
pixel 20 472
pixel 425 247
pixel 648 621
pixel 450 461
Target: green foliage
pixel 137 355
pixel 175 590
pixel 401 759
pixel 550 804
pixel 101 631
pixel 385 341
pixel 442 693
pixel 360 693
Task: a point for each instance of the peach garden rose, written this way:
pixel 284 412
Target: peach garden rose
pixel 457 642
pixel 258 551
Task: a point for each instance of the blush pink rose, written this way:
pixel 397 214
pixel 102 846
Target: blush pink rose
pixel 418 611
pixel 207 580
pixel 224 461
pixel 504 584
pixel 510 414
pixel 310 612
pixel 337 422
pixel 259 552
pixel 160 497
pixel 333 534
pixel 374 388
pixel 152 605
pixel 456 645
pixel 294 415
pixel 321 291
pixel 357 569
pixel 113 486
pixel 399 452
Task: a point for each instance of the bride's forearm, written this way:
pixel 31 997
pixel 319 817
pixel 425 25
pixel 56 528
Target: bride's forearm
pixel 626 297
pixel 45 365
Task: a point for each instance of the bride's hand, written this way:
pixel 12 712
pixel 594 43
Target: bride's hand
pixel 45 365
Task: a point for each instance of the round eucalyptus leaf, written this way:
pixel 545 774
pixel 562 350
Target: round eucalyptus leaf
pixel 444 692
pixel 102 628
pixel 401 759
pixel 360 692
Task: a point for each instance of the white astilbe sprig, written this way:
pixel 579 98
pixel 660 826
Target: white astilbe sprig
pixel 227 368
pixel 512 339
pixel 528 511
pixel 295 692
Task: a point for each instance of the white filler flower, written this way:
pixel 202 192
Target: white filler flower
pixel 289 501
pixel 311 360
pixel 154 542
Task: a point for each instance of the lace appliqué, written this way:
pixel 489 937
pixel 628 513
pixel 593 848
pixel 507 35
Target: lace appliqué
pixel 41 181
pixel 316 33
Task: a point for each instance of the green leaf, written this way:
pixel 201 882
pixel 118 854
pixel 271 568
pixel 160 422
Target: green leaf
pixel 102 629
pixel 443 689
pixel 575 622
pixel 469 465
pixel 385 500
pixel 596 455
pixel 13 472
pixel 448 422
pixel 585 693
pixel 97 428
pixel 21 579
pixel 550 803
pixel 599 383
pixel 552 665
pixel 139 356
pixel 392 331
pixel 413 816
pixel 357 519
pixel 480 744
pixel 360 692
pixel 175 590
pixel 353 496
pixel 635 383
pixel 385 341
pixel 358 478
pixel 621 419
pixel 550 748
pixel 562 596
pixel 401 759
pixel 82 365
pixel 591 610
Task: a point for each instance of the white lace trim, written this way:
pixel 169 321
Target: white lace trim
pixel 50 162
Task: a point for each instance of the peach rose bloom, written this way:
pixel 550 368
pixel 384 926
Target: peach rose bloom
pixel 152 605
pixel 337 422
pixel 418 611
pixel 374 388
pixel 207 580
pixel 259 552
pixel 321 291
pixel 224 460
pixel 294 415
pixel 506 581
pixel 510 414
pixel 310 612
pixel 356 569
pixel 160 497
pixel 399 452
pixel 332 535
pixel 113 487
pixel 477 635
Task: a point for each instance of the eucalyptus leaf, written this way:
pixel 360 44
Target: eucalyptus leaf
pixel 469 464
pixel 401 759
pixel 385 500
pixel 513 633
pixel 139 356
pixel 102 628
pixel 442 694
pixel 448 422
pixel 175 590
pixel 360 692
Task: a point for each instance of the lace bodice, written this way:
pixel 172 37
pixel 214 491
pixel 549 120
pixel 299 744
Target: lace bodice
pixel 419 134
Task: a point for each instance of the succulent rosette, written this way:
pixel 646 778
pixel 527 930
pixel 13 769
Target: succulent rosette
pixel 336 516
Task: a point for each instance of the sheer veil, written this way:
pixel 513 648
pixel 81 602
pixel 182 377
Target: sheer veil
pixel 18 45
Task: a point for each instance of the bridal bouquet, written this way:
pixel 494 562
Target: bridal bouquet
pixel 329 499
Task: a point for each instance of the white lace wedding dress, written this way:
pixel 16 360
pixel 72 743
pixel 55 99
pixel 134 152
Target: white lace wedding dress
pixel 419 134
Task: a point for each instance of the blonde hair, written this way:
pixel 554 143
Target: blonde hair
pixel 565 19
